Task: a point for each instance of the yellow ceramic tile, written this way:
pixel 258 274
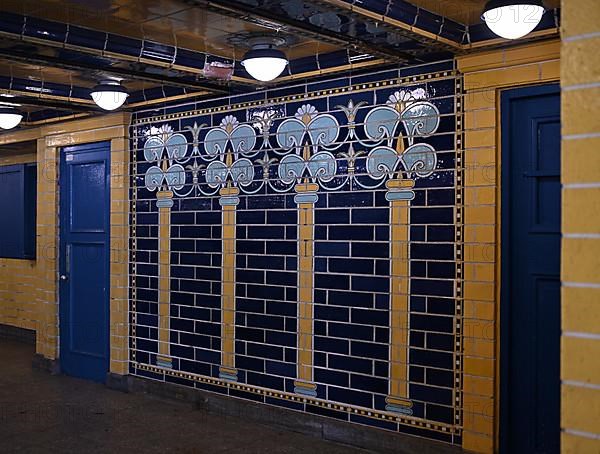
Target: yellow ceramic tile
pixel 580 409
pixel 576 364
pixel 480 138
pixel 578 201
pixel 580 161
pixel 480 367
pixel 580 111
pixel 580 309
pixel 580 260
pixel 475 442
pixel 578 444
pixel 479 405
pixel 504 77
pixel 530 53
pixel 579 17
pixel 479 99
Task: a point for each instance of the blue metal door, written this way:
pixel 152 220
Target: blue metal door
pixel 84 260
pixel 530 303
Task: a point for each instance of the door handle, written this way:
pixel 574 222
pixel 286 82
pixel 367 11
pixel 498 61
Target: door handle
pixel 64 277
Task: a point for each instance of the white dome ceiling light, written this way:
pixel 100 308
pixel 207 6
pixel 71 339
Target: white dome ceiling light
pixel 512 19
pixel 109 95
pixel 9 117
pixel 264 61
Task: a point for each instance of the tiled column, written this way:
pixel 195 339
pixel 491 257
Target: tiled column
pixel 119 255
pixel 305 198
pixel 164 203
pixel 399 195
pixel 580 274
pixel 229 201
pixel 485 73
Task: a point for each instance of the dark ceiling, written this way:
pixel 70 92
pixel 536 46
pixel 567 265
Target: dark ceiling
pixel 53 51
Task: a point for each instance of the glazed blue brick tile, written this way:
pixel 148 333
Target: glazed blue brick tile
pixel 331 249
pixel 325 281
pixel 352 299
pixel 418 268
pixel 439 413
pixel 440 341
pixel 417 339
pixel 265 351
pixel 369 350
pixel 282 308
pixel 330 377
pixel 372 284
pixel 376 250
pixel 331 216
pixel 370 317
pixel 435 287
pixel 432 251
pixel 350 331
pixel 350 396
pixel 431 323
pixel 443 306
pixel 433 394
pixel 371 384
pixel 351 232
pixel 280 338
pixel 331 345
pixel 344 265
pixel 320 328
pixel 265 380
pixel 333 313
pixel 438 377
pixel 430 358
pixel 441 269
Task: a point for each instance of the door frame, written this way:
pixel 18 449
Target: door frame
pixel 506 97
pixel 63 289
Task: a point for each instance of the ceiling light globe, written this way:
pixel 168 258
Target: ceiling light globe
pixel 9 118
pixel 264 64
pixel 109 96
pixel 512 19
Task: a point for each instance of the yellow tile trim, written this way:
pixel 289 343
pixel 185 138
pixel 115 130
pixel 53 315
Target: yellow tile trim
pixel 400 283
pixel 228 216
pixel 305 286
pixel 350 409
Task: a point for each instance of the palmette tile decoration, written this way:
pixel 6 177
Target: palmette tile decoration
pixel 305 251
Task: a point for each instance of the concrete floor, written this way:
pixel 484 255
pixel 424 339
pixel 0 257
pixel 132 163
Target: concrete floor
pixel 44 413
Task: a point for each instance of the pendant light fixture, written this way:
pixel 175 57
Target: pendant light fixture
pixel 512 19
pixel 109 95
pixel 264 61
pixel 9 117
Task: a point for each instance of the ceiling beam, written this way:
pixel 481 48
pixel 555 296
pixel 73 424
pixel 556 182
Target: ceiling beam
pixel 247 12
pixel 53 61
pixel 37 101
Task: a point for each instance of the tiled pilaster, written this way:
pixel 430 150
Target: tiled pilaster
pixel 580 273
pixel 485 75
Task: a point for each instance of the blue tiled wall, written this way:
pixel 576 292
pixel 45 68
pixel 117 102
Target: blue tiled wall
pixel 352 263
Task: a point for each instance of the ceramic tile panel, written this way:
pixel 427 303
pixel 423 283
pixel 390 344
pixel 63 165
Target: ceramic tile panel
pixel 302 248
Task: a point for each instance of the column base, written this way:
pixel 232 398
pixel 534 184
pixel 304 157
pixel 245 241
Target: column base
pixel 305 388
pixel 164 361
pixel 228 373
pixel 399 405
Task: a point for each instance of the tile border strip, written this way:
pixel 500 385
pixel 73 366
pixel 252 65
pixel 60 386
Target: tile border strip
pixel 351 409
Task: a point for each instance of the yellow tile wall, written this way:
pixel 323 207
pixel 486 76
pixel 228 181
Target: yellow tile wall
pixel 18 305
pixel 487 73
pixel 28 290
pixel 580 274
